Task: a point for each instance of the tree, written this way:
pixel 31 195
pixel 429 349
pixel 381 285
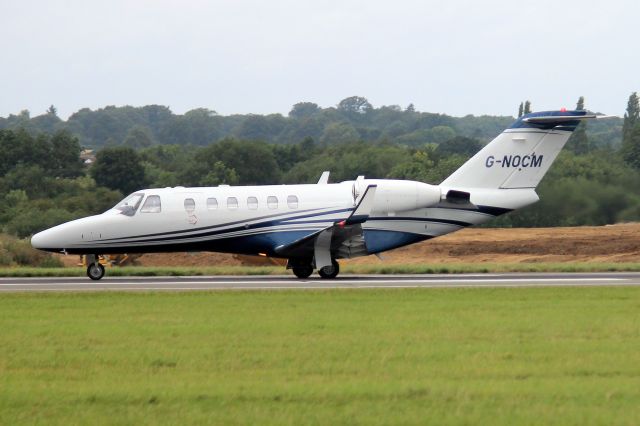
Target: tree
pixel 630 132
pixel 579 142
pixel 97 126
pixel 9 144
pixel 631 117
pixel 220 174
pixel 395 129
pixel 459 145
pixel 254 127
pixel 46 123
pixel 199 126
pixel 21 148
pixel 355 105
pixel 425 166
pixel 308 145
pixel 339 133
pixel 527 107
pixel 253 162
pixel 296 130
pixel 30 178
pixel 410 108
pixel 52 110
pixel 520 110
pixel 156 116
pixel 119 168
pixel 65 155
pixel 110 143
pixel 440 134
pixel 138 137
pixel 631 148
pixel 417 138
pixel 204 125
pixel 418 168
pixel 303 109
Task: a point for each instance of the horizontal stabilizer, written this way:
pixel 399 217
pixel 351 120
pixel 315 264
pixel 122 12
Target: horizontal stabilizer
pixel 559 119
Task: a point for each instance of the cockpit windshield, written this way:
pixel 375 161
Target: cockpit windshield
pixel 130 204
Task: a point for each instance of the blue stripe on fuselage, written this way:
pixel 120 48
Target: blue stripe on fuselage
pixel 380 240
pixel 246 224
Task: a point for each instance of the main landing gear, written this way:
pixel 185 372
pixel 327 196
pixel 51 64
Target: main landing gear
pixel 95 270
pixel 302 269
pixel 330 272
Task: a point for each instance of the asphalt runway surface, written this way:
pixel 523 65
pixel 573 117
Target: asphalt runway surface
pixel 286 282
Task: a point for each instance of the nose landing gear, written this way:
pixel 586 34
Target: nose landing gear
pixel 95 270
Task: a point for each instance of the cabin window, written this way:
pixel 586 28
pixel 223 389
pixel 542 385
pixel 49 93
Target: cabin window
pixel 232 203
pixel 292 201
pixel 129 205
pixel 151 205
pixel 252 203
pixel 272 202
pixel 212 204
pixel 189 205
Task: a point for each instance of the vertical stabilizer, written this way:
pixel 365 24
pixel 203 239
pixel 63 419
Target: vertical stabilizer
pixel 521 155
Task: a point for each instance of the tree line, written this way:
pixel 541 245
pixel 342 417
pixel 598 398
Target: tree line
pixel 353 118
pixel 43 182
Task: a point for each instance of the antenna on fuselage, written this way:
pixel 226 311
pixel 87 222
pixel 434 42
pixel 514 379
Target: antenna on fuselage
pixel 324 179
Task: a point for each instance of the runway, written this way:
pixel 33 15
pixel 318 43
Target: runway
pixel 288 282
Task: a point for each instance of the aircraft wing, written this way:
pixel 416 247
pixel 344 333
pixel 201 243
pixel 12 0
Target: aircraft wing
pixel 343 239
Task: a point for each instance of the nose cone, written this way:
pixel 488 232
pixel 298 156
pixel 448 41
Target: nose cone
pixel 44 241
pixel 70 235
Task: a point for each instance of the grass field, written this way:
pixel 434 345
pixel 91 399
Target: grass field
pixel 447 268
pixel 446 356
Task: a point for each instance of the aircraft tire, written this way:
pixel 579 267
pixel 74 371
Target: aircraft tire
pixel 329 272
pixel 302 271
pixel 95 271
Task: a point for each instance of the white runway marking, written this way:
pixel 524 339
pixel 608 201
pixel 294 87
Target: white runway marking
pixel 329 283
pixel 198 283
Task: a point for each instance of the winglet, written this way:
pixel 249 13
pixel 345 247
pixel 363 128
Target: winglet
pixel 363 209
pixel 324 179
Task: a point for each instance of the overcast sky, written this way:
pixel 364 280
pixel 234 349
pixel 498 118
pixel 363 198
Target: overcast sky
pixel 252 56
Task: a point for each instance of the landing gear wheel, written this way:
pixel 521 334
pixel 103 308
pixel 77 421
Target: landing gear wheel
pixel 95 271
pixel 302 271
pixel 329 272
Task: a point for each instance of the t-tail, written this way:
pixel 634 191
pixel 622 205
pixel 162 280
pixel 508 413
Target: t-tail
pixel 506 171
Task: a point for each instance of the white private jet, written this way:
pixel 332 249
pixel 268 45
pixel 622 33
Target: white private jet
pixel 315 225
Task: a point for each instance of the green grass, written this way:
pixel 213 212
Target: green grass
pixel 446 356
pixel 382 268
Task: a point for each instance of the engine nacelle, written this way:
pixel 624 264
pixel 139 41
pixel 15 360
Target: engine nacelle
pixel 402 195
